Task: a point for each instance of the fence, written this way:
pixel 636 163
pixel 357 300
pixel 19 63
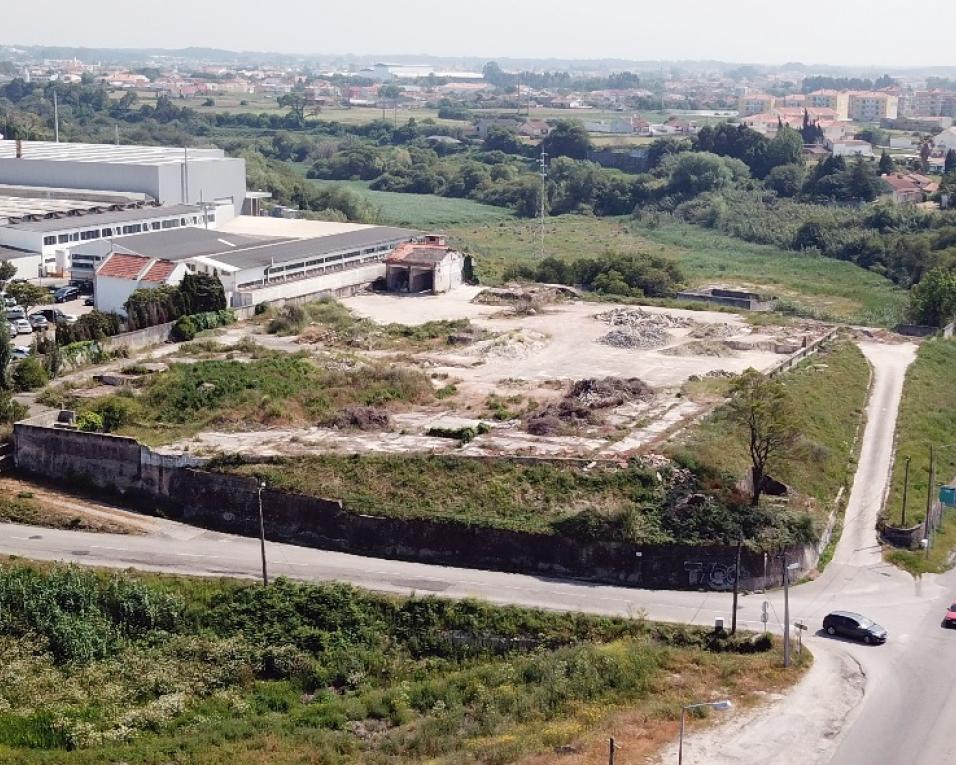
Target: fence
pixel 808 350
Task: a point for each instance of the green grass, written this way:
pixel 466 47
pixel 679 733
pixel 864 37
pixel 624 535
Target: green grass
pixel 424 211
pixel 206 672
pixel 936 560
pixel 818 286
pixel 829 403
pixel 927 417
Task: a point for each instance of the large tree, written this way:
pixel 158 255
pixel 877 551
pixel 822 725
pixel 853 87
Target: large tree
pixel 887 165
pixel 7 272
pixel 567 139
pixel 933 300
pixel 28 294
pixel 949 161
pixel 760 405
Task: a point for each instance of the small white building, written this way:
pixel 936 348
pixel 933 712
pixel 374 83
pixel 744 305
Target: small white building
pixel 850 147
pixel 426 266
pixel 945 140
pixel 121 274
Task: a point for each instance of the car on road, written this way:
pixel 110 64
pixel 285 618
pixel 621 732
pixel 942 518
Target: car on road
pixel 39 322
pixel 23 326
pixel 949 620
pixel 853 625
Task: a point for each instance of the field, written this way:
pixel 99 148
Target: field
pixel 829 393
pixel 425 211
pixel 927 417
pixel 813 286
pixel 143 670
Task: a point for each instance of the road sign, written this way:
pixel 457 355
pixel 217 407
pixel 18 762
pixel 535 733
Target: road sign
pixel 764 615
pixel 800 625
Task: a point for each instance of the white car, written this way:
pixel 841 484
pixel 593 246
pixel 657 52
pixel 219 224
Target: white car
pixel 12 329
pixel 23 326
pixel 20 352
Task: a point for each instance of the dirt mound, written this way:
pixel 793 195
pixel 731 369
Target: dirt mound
pixel 514 344
pixel 713 348
pixel 523 298
pixel 579 407
pixel 639 336
pixel 609 391
pixel 714 331
pixel 363 418
pixel 638 317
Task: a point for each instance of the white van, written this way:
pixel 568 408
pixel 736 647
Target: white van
pixel 16 312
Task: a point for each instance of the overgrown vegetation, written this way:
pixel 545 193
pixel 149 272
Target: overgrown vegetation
pixel 279 388
pixel 927 417
pixel 827 395
pixel 126 668
pixel 603 503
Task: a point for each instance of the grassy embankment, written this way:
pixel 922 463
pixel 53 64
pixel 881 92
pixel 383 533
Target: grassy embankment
pixel 829 393
pixel 927 417
pixel 813 286
pixel 141 669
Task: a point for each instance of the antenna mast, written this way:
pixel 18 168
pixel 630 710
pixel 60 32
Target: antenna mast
pixel 543 162
pixel 56 117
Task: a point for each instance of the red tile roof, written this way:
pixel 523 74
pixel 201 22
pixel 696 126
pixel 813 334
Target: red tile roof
pixel 159 272
pixel 122 266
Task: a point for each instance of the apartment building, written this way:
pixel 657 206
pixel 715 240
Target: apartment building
pixel 755 103
pixel 837 101
pixel 867 106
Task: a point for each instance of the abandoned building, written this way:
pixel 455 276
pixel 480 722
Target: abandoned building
pixel 428 265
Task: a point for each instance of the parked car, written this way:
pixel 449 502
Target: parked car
pixel 15 313
pixel 65 294
pixel 23 326
pixel 9 301
pixel 85 286
pixel 88 300
pixel 56 316
pixel 39 322
pixel 20 352
pixel 853 625
pixel 12 329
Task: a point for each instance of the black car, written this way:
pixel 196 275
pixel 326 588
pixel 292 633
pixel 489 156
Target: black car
pixel 855 626
pixel 65 294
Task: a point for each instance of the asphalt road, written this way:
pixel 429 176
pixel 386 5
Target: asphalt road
pixel 909 703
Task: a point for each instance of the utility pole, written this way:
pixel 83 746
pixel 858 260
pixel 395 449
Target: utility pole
pixel 929 500
pixel 262 536
pixel 543 162
pixel 611 749
pixel 733 615
pixel 906 486
pixel 786 612
pixel 56 117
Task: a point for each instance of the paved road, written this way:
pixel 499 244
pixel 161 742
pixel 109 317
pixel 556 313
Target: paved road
pixel 909 702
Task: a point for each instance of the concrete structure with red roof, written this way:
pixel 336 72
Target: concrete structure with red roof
pixel 429 265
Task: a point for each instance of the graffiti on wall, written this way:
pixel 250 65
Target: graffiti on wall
pixel 712 575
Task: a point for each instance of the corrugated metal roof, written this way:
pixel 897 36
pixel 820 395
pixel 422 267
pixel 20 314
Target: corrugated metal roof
pixel 51 151
pixel 189 242
pixel 94 220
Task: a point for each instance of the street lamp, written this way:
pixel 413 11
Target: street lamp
pixel 262 535
pixel 721 706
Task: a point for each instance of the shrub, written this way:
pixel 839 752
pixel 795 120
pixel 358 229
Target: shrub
pixel 89 422
pixel 184 329
pixel 30 374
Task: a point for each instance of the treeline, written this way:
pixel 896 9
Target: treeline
pixel 823 82
pixel 558 80
pixel 637 275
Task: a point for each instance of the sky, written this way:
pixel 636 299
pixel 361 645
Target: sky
pixel 847 32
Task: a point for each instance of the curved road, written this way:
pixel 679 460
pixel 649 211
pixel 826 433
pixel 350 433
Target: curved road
pixel 910 683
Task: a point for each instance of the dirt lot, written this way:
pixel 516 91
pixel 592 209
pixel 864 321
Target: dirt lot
pixel 513 381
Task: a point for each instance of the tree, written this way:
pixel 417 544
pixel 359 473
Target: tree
pixel 567 139
pixel 786 148
pixel 7 272
pixel 761 406
pixel 296 103
pixel 29 375
pixel 950 161
pixel 28 294
pixel 887 165
pixel 933 300
pixel 5 355
pixel 786 180
pixel 694 173
pixel 501 139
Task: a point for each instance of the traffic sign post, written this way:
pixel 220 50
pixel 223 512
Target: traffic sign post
pixel 764 614
pixel 801 626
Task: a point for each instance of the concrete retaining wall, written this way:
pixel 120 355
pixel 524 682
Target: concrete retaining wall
pixel 177 487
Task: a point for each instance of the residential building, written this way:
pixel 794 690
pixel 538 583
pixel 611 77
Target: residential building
pixel 946 140
pixel 121 274
pixel 909 187
pixel 755 103
pixel 872 106
pixel 838 101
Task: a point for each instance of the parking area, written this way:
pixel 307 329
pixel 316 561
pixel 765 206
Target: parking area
pixel 23 323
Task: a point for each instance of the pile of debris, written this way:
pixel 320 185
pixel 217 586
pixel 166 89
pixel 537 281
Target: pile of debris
pixel 362 418
pixel 638 317
pixel 579 407
pixel 715 331
pixel 648 336
pixel 513 344
pixel 713 374
pixel 714 348
pixel 525 299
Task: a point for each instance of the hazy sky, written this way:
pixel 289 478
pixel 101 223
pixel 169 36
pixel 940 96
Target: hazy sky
pixel 877 32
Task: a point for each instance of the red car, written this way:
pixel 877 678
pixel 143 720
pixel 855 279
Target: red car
pixel 950 619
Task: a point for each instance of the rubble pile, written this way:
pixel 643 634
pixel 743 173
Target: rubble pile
pixel 609 391
pixel 646 336
pixel 715 331
pixel 714 348
pixel 634 317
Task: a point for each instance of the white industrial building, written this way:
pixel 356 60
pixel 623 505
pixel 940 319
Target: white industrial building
pixel 261 260
pixel 169 175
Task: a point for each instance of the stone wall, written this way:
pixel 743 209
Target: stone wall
pixel 177 487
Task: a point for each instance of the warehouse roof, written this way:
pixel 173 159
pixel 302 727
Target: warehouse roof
pixel 188 242
pixel 14 253
pixel 105 153
pixel 107 218
pixel 287 251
